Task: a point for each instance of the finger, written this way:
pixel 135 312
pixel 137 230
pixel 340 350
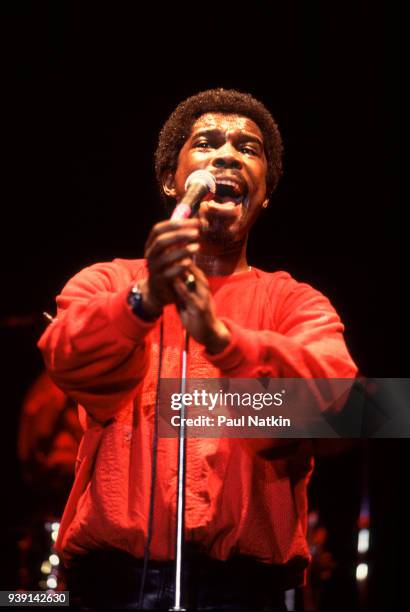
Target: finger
pixel 189 298
pixel 190 282
pixel 170 226
pixel 201 281
pixel 171 239
pixel 198 273
pixel 178 269
pixel 181 288
pixel 170 257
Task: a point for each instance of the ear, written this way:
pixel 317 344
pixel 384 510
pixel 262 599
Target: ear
pixel 265 203
pixel 168 185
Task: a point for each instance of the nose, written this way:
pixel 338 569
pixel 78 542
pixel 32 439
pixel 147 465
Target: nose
pixel 227 157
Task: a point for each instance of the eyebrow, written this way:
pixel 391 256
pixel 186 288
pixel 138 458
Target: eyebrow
pixel 244 136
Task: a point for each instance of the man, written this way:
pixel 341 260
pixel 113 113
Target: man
pixel 119 330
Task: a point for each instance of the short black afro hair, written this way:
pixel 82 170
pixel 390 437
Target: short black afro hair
pixel 177 130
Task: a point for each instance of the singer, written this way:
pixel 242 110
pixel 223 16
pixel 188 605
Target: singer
pixel 119 330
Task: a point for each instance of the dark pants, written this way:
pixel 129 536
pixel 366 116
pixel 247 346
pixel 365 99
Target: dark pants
pixel 112 579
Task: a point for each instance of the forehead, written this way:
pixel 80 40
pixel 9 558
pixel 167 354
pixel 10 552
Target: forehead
pixel 226 123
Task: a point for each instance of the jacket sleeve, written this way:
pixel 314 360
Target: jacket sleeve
pixel 96 349
pixel 306 341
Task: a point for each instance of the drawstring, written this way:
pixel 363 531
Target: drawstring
pixel 153 470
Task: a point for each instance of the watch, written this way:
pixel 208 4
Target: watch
pixel 134 300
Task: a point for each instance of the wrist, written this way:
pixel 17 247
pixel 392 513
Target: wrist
pixel 219 339
pixel 141 305
pixel 151 306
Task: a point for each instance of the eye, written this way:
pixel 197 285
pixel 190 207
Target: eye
pixel 248 150
pixel 202 144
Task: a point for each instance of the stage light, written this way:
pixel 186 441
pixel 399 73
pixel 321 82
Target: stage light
pixel 363 541
pixel 54 559
pixel 51 582
pixel 46 567
pixel 362 571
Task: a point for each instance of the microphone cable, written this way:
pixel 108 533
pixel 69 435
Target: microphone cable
pixel 153 471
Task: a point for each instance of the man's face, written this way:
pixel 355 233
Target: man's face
pixel 231 148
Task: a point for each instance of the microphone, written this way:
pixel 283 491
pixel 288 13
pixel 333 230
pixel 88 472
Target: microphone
pixel 198 184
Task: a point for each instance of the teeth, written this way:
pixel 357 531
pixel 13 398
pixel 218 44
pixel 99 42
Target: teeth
pixel 229 183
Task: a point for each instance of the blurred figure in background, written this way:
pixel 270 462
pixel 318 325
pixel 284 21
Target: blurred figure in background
pixel 48 438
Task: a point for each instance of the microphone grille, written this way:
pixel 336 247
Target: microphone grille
pixel 204 177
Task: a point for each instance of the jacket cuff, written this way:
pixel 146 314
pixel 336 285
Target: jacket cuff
pixel 129 324
pixel 241 350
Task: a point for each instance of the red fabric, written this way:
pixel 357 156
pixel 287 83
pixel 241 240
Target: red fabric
pixel 49 433
pixel 102 355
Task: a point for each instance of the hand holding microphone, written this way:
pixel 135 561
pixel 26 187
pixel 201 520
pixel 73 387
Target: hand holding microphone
pixel 174 278
pixel 198 185
pixel 172 244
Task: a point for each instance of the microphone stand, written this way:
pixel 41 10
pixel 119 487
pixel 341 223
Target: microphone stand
pixel 197 186
pixel 180 517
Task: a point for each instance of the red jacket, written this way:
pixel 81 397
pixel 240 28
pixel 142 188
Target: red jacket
pixel 106 358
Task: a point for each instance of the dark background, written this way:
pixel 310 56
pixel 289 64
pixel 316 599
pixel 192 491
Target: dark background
pixel 87 87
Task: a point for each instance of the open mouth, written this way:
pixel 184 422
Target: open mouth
pixel 229 191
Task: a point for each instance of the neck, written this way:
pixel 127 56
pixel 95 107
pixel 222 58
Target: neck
pixel 217 261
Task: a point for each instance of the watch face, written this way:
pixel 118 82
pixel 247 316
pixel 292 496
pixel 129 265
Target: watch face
pixel 134 291
pixel 134 296
pixel 134 299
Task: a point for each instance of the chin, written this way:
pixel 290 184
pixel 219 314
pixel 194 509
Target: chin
pixel 221 232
